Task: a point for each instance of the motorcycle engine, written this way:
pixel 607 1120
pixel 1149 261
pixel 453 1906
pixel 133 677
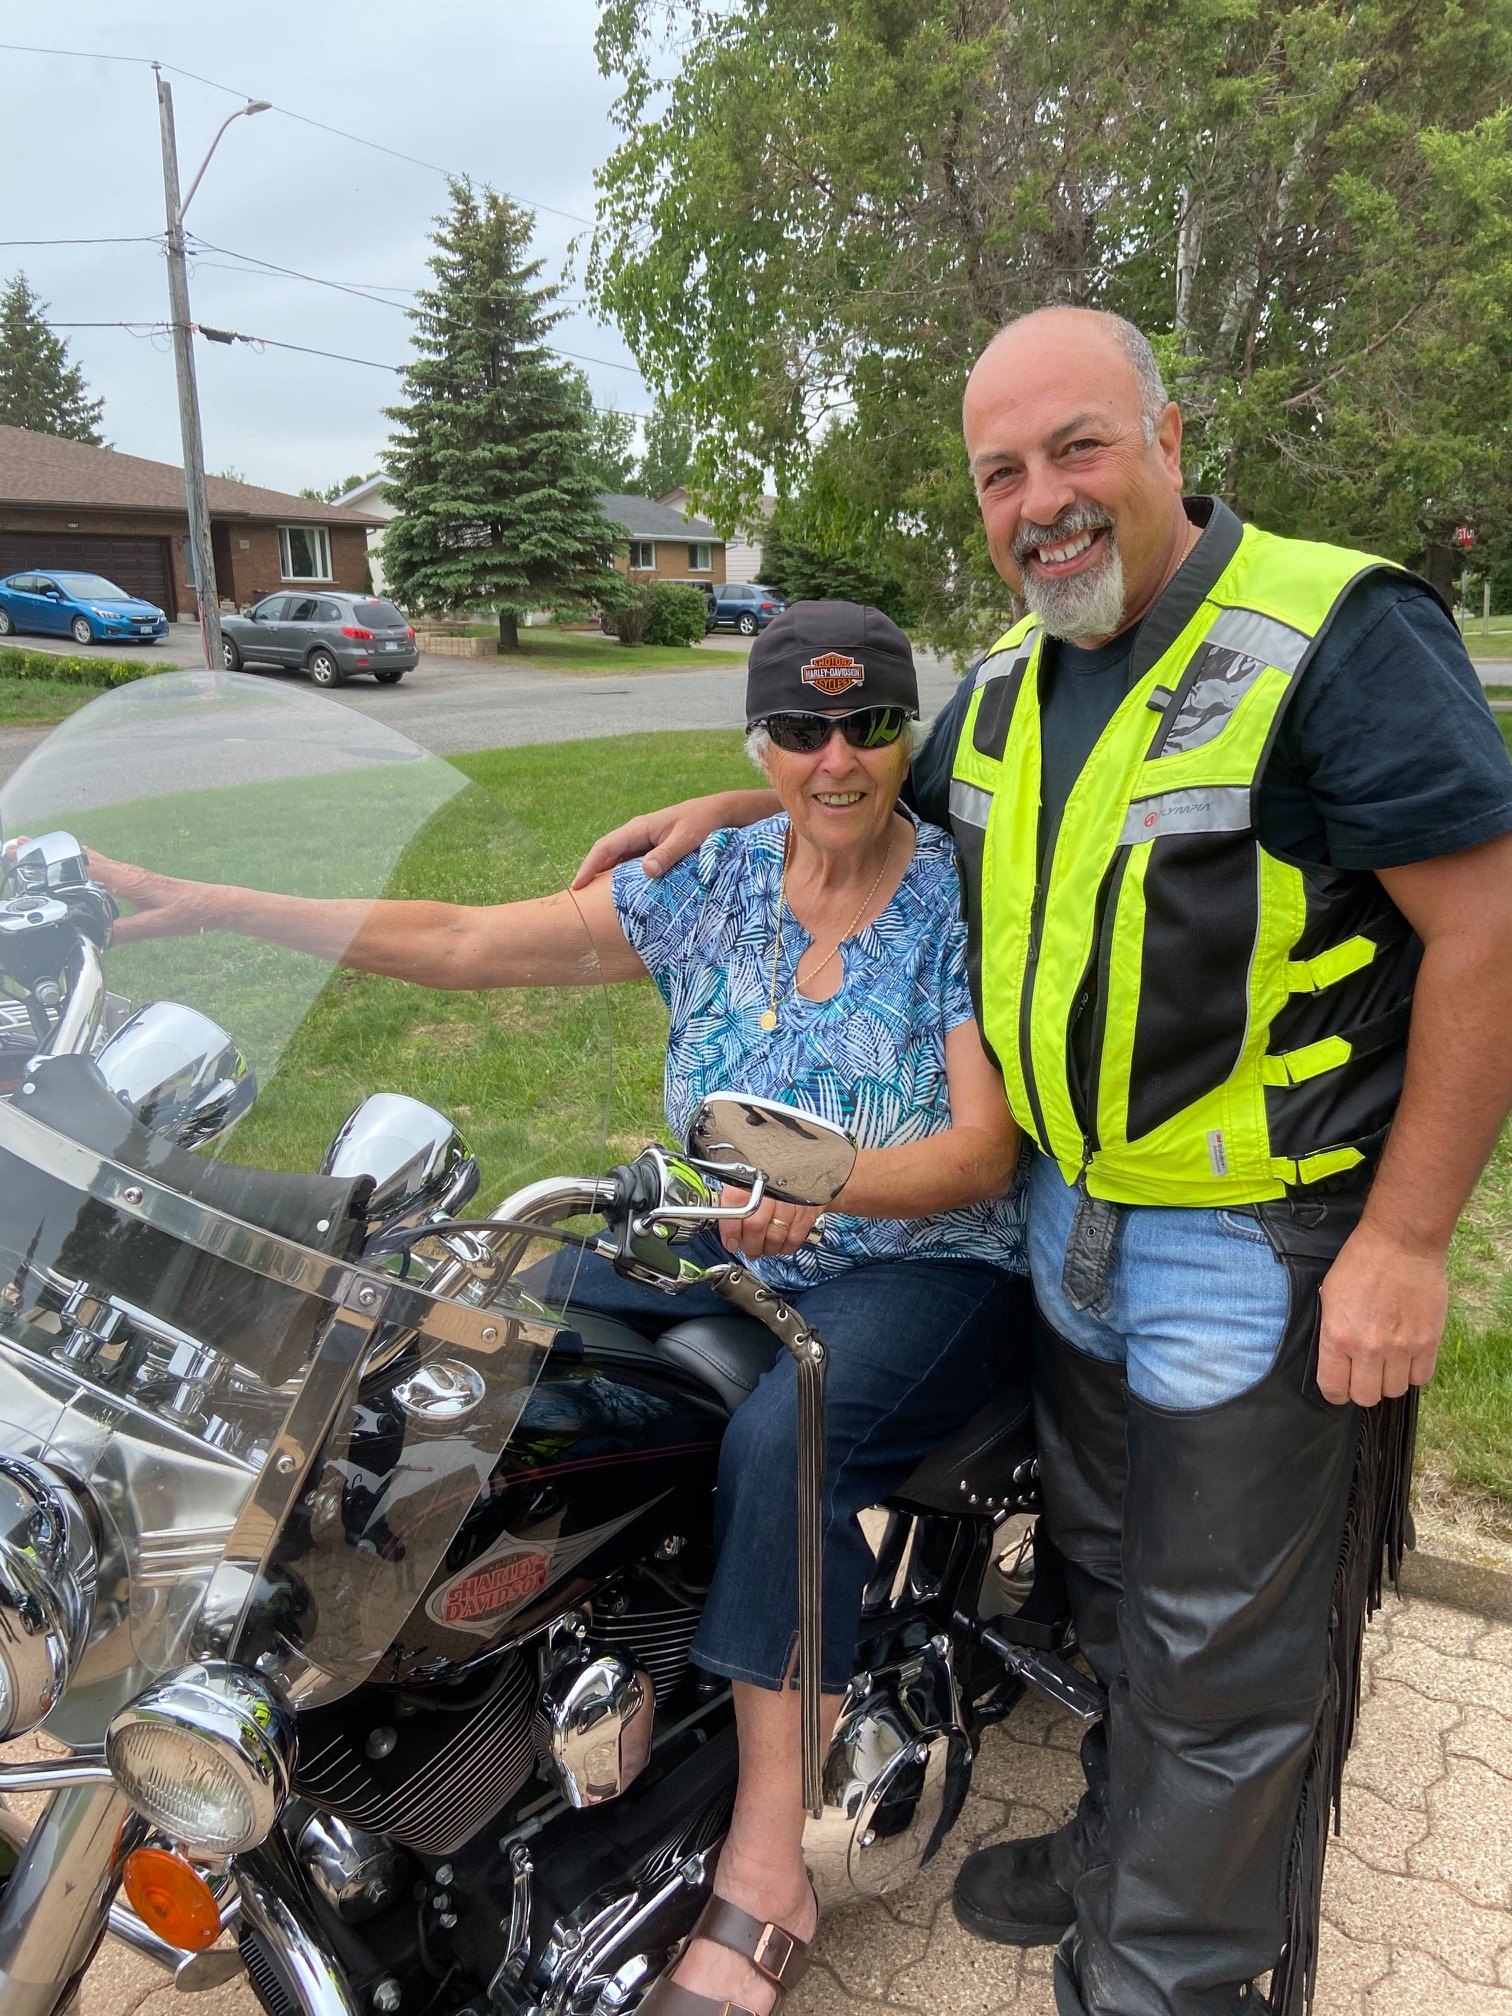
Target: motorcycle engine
pixel 895 1779
pixel 428 1767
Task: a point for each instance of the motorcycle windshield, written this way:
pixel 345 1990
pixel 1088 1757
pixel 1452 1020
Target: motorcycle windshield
pixel 224 1315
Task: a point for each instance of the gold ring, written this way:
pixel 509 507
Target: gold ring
pixel 781 1224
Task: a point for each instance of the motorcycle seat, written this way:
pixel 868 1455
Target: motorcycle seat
pixel 981 1467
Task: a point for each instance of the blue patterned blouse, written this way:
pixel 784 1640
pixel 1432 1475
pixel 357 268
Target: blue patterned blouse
pixel 871 1058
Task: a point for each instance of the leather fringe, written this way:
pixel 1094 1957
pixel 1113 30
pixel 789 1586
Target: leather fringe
pixel 1377 1532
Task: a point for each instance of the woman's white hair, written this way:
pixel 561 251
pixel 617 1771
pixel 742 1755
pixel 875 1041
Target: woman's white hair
pixel 758 741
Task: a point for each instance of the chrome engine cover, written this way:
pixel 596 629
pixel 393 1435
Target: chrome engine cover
pixel 895 1779
pixel 597 1709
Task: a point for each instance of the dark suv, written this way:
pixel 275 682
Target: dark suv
pixel 745 605
pixel 330 634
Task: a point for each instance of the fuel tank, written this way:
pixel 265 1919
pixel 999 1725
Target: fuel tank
pixel 612 1455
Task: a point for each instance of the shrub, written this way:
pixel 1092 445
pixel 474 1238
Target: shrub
pixel 678 614
pixel 629 620
pixel 16 663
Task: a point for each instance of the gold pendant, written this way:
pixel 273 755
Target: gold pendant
pixel 767 1019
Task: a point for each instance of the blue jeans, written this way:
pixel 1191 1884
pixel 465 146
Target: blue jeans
pixel 915 1348
pixel 1196 1302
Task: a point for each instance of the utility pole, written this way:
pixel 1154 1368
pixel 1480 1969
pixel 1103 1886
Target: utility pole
pixel 188 392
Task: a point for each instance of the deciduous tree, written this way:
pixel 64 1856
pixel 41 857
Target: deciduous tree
pixel 1308 207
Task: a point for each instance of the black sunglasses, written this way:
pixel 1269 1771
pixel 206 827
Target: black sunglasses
pixel 865 728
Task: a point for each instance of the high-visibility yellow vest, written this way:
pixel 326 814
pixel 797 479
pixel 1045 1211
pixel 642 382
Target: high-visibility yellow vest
pixel 1180 1016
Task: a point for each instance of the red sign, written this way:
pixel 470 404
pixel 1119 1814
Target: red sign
pixel 498 1587
pixel 1464 537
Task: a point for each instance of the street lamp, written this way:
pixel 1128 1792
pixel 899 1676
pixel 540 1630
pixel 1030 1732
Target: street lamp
pixel 183 358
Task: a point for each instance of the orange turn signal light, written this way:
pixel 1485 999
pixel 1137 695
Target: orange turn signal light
pixel 171 1898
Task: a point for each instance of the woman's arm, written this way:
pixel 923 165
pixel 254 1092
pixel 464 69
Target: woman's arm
pixel 974 1157
pixel 547 942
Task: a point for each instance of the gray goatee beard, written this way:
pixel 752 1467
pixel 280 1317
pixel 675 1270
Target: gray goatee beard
pixel 1081 605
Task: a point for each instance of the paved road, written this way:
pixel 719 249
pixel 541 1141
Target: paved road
pixel 453 704
pixel 1417 1903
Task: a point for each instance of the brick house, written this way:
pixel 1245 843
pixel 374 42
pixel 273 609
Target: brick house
pixel 743 554
pixel 65 504
pixel 664 544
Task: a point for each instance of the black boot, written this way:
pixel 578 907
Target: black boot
pixel 1019 1892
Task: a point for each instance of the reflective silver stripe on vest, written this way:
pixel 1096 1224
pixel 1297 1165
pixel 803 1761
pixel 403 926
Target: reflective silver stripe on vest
pixel 1258 636
pixel 1003 664
pixel 969 803
pixel 1225 665
pixel 1201 808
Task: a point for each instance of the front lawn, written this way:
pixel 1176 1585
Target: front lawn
pixel 524 1073
pixel 37 703
pixel 1495 643
pixel 583 651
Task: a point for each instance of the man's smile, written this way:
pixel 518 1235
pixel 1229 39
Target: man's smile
pixel 1070 554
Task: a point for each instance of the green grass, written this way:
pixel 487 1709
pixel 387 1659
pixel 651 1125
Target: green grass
pixel 1498 692
pixel 1498 644
pixel 527 1075
pixel 29 703
pixel 1467 1411
pixel 581 651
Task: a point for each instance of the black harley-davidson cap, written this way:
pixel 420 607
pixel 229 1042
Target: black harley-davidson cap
pixel 829 657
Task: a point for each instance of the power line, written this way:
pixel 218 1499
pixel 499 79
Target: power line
pixel 341 287
pixel 148 238
pixel 303 349
pixel 302 118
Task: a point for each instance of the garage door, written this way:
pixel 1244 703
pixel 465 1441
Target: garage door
pixel 141 566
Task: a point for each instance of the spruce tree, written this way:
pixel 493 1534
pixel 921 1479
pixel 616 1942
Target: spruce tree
pixel 39 388
pixel 491 464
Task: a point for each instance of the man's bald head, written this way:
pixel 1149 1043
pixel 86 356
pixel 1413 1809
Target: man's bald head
pixel 1121 335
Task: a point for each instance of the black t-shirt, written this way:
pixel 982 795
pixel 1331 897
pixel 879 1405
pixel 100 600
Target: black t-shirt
pixel 1388 752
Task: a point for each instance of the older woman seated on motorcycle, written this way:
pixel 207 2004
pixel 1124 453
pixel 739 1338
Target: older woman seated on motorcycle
pixel 817 958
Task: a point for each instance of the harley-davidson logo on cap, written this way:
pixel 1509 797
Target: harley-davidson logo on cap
pixel 832 672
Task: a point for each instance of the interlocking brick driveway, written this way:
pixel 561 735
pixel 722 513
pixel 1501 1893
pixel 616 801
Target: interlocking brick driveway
pixel 1418 1898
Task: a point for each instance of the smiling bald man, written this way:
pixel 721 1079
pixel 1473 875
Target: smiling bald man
pixel 1235 826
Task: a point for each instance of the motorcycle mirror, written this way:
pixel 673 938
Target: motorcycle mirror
pixel 179 1072
pixel 50 864
pixel 804 1159
pixel 420 1165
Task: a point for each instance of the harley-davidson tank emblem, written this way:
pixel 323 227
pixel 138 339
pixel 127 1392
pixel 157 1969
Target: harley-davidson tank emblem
pixel 490 1591
pixel 832 672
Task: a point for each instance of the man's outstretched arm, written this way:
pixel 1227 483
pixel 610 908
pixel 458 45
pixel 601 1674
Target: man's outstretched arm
pixel 662 839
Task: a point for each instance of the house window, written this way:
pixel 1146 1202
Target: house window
pixel 304 552
pixel 699 558
pixel 642 556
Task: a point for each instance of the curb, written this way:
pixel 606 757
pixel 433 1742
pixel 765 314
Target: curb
pixel 1460 1585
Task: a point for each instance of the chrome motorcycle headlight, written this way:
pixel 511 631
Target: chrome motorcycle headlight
pixel 47 1589
pixel 207 1755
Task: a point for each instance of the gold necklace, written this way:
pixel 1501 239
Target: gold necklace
pixel 768 1017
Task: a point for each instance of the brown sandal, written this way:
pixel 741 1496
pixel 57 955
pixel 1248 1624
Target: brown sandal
pixel 772 1950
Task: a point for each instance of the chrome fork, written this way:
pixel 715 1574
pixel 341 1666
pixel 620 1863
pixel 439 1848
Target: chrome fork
pixel 57 1904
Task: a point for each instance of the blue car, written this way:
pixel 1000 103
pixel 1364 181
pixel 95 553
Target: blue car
pixel 86 607
pixel 745 605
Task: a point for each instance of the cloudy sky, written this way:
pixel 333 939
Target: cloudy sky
pixel 506 91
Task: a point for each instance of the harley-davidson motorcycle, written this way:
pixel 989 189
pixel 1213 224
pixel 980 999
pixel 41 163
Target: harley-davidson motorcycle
pixel 356 1585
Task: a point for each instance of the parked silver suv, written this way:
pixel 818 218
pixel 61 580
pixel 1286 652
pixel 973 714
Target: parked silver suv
pixel 330 634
